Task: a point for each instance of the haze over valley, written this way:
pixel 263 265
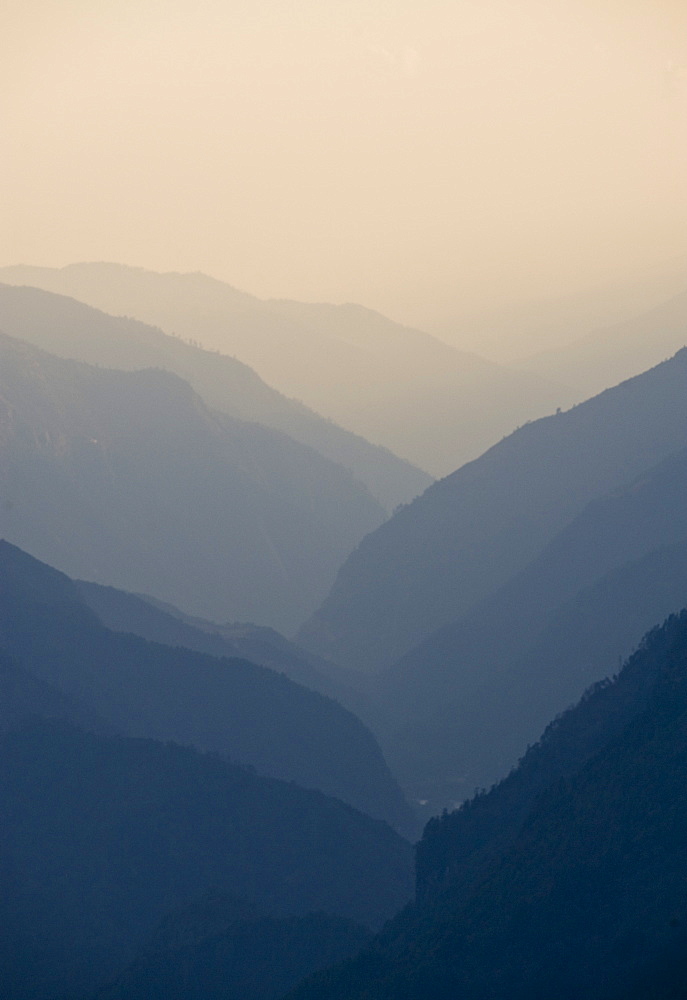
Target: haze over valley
pixel 396 386
pixel 343 500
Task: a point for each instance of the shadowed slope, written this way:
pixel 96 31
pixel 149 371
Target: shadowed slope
pixel 229 706
pixel 127 478
pixel 220 950
pixel 468 534
pixel 467 701
pixel 103 836
pixel 568 878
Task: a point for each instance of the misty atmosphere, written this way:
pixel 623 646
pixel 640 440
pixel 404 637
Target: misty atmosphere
pixel 343 500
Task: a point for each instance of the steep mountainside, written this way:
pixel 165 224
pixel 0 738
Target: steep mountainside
pixel 228 706
pixel 468 700
pixel 399 387
pixel 467 535
pixel 103 836
pixel 567 879
pixel 71 329
pixel 127 478
pixel 442 750
pixel 617 352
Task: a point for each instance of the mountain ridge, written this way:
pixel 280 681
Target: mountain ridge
pixel 142 828
pixel 80 332
pixel 230 706
pixel 128 478
pixel 618 351
pixel 394 385
pixel 567 878
pixel 441 555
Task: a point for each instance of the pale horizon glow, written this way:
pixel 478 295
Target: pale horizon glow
pixel 427 160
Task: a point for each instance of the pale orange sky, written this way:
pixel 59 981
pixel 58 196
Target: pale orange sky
pixel 417 157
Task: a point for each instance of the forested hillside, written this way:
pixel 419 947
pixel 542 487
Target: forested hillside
pixel 224 949
pixel 566 879
pixel 103 836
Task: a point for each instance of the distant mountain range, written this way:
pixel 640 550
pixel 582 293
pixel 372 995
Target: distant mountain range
pixel 128 478
pixel 188 808
pixel 438 558
pixel 567 879
pixel 514 331
pixel 71 329
pixel 396 386
pixel 612 353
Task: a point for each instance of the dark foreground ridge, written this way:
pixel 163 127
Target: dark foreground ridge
pixel 228 706
pixel 103 836
pixel 568 878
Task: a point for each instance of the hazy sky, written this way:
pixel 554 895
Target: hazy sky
pixel 415 156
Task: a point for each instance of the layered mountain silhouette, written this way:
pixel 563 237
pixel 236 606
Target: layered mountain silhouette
pixel 435 406
pixel 128 478
pixel 567 879
pixel 188 808
pixel 469 700
pixel 619 351
pixel 71 329
pixel 439 558
pixel 103 836
pixel 520 330
pixel 153 619
pixel 145 689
